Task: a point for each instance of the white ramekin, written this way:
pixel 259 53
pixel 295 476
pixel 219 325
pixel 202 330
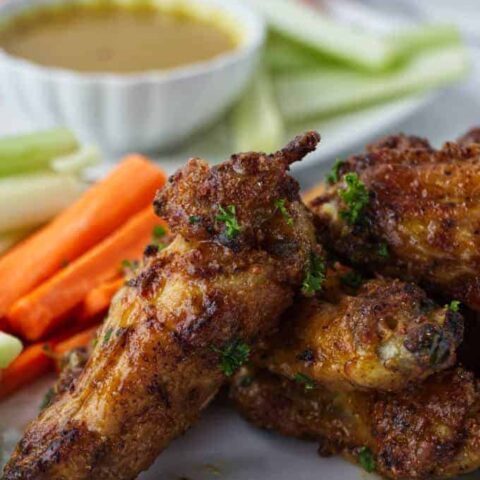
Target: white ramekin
pixel 147 111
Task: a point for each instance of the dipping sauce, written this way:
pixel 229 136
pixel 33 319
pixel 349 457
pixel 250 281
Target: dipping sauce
pixel 105 37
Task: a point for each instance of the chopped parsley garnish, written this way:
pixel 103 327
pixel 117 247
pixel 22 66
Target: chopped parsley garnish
pixel 129 264
pixel 193 219
pixel 228 217
pixel 47 399
pixel 366 459
pixel 232 356
pixel 356 197
pixel 383 250
pixel 158 233
pixel 307 382
pixel 246 381
pixel 280 205
pixel 454 306
pixel 315 275
pixel 334 175
pixel 108 335
pixel 352 279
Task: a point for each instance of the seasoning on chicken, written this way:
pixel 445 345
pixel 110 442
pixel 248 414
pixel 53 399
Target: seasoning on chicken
pixel 409 211
pixel 188 319
pixel 377 334
pixel 429 431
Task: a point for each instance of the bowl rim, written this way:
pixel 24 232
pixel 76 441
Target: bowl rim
pixel 255 34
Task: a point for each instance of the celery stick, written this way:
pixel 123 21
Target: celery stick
pixel 283 55
pixel 9 239
pixel 10 348
pixel 34 151
pixel 256 122
pixel 331 91
pixel 74 163
pixel 410 41
pixel 314 30
pixel 30 200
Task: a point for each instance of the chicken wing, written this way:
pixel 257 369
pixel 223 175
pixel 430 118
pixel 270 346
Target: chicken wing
pixel 409 211
pixel 424 432
pixel 382 335
pixel 187 319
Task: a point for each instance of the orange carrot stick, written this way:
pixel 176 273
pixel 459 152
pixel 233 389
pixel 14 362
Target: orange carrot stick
pixel 99 212
pixel 81 339
pixel 36 360
pixel 98 300
pixel 31 364
pixel 38 313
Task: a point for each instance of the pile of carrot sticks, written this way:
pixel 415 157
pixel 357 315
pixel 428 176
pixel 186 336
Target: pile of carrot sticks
pixel 56 286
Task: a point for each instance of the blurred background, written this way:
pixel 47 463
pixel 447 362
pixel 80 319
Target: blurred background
pixel 429 87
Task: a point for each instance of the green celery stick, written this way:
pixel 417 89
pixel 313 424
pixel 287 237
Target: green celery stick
pixel 27 201
pixel 330 91
pixel 256 121
pixel 34 151
pixel 10 348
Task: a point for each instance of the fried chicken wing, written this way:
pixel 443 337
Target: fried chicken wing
pixel 409 211
pixel 424 432
pixel 187 318
pixel 384 335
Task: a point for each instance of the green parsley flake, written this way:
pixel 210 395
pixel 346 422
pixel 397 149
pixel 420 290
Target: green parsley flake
pixel 315 275
pixel 228 217
pixel 366 459
pixel 454 306
pixel 193 219
pixel 280 205
pixel 334 175
pixel 352 279
pixel 307 382
pixel 232 356
pixel 356 197
pixel 108 335
pixel 383 250
pixel 129 264
pixel 47 399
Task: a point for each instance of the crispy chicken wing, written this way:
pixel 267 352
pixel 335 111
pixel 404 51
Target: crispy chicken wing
pixel 384 335
pixel 427 431
pixel 409 211
pixel 185 319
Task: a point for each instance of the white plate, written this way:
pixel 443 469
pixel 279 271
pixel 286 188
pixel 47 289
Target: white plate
pixel 222 446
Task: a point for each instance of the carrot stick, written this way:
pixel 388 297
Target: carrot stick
pixel 39 312
pixel 81 339
pixel 98 213
pixel 27 367
pixel 98 300
pixel 35 361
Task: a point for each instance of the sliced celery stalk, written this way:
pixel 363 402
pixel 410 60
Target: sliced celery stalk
pixel 283 55
pixel 10 348
pixel 74 163
pixel 30 200
pixel 331 91
pixel 256 121
pixel 34 151
pixel 310 28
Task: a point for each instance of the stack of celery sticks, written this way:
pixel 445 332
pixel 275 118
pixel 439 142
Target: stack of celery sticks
pixel 40 175
pixel 315 68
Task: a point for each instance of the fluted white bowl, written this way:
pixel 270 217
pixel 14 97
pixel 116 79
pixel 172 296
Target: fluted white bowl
pixel 124 112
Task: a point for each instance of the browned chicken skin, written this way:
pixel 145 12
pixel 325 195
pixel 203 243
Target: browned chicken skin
pixel 384 336
pixel 421 220
pixel 427 431
pixel 157 361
